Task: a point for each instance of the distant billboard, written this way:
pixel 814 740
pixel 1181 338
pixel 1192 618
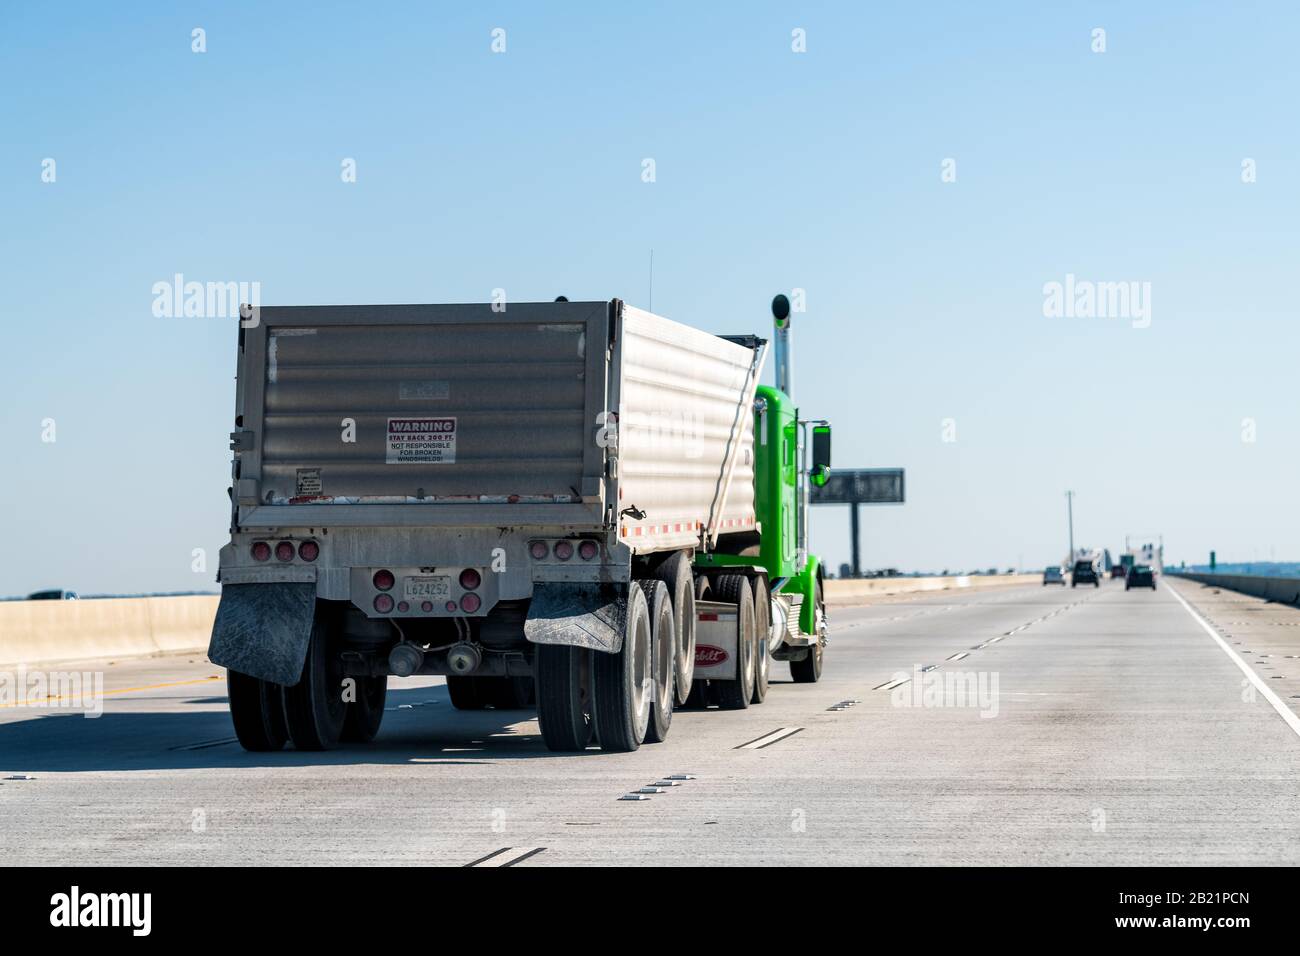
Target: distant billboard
pixel 867 486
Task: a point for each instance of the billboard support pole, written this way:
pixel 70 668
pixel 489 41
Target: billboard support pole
pixel 853 526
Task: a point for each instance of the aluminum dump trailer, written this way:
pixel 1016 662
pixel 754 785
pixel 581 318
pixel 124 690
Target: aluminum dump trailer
pixel 477 492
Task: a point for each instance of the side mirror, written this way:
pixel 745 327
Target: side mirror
pixel 821 449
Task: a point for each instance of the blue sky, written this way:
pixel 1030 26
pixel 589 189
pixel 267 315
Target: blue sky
pixel 774 170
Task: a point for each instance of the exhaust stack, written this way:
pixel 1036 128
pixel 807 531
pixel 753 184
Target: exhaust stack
pixel 784 375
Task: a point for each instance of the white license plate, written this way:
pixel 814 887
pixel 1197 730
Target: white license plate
pixel 435 588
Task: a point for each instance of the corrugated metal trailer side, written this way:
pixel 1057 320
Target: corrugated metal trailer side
pixel 686 433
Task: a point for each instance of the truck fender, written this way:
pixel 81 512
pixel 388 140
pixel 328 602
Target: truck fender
pixel 577 615
pixel 263 630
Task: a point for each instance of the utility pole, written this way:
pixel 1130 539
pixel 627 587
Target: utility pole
pixel 1069 504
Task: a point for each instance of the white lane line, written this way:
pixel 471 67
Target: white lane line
pixel 957 657
pixel 768 739
pixel 891 684
pixel 507 856
pixel 1285 712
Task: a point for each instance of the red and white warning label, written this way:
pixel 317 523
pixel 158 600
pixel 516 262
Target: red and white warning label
pixel 421 441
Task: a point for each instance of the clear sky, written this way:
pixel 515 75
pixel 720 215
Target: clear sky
pixel 821 170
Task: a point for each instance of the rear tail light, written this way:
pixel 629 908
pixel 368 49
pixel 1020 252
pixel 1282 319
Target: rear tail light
pixel 403 606
pixel 451 605
pixel 383 580
pixel 384 603
pixel 261 551
pixel 538 550
pixel 587 550
pixel 426 606
pixel 309 550
pixel 470 579
pixel 284 551
pixel 563 550
pixel 470 603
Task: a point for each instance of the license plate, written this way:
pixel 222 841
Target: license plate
pixel 436 588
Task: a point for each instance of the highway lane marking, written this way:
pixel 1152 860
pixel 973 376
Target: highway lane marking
pixel 957 657
pixel 776 736
pixel 129 690
pixel 891 684
pixel 1282 709
pixel 496 857
pixel 205 744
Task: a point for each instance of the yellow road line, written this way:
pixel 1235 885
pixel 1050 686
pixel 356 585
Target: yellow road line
pixel 127 690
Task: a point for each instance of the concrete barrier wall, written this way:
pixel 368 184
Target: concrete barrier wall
pixel 861 591
pixel 1281 590
pixel 46 632
pixel 41 632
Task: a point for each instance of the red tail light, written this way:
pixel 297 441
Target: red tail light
pixel 284 551
pixel 383 580
pixel 384 603
pixel 309 550
pixel 563 550
pixel 426 606
pixel 403 606
pixel 451 605
pixel 470 579
pixel 261 551
pixel 470 603
pixel 538 550
pixel 587 550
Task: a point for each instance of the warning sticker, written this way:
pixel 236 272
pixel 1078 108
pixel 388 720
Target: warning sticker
pixel 421 441
pixel 308 481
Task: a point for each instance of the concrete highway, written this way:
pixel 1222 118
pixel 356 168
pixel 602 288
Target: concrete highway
pixel 1101 727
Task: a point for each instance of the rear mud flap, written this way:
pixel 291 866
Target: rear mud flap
pixel 577 615
pixel 263 630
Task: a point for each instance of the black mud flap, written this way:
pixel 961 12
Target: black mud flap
pixel 577 615
pixel 263 630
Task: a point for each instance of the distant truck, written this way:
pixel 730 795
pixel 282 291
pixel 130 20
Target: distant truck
pixel 579 505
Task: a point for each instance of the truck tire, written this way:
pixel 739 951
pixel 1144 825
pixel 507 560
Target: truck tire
pixel 677 574
pixel 809 670
pixel 762 635
pixel 564 700
pixel 621 682
pixel 257 710
pixel 664 638
pixel 466 693
pixel 314 708
pixel 736 694
pixel 366 713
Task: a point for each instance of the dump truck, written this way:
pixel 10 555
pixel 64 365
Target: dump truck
pixel 580 507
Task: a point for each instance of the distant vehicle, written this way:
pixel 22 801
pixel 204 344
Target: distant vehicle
pixel 1085 572
pixel 1053 575
pixel 1118 570
pixel 1140 577
pixel 55 594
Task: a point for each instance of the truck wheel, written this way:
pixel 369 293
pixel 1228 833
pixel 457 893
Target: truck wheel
pixel 698 698
pixel 564 707
pixel 257 710
pixel 676 573
pixel 762 637
pixel 621 682
pixel 467 693
pixel 314 707
pixel 664 650
pixel 809 670
pixel 366 713
pixel 736 694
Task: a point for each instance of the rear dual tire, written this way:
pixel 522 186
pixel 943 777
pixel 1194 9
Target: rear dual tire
pixel 622 682
pixel 736 694
pixel 257 711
